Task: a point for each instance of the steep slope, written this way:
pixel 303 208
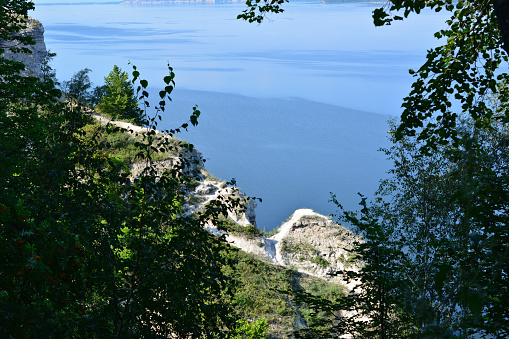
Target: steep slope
pixel 309 242
pixel 307 246
pixel 33 61
pixel 271 269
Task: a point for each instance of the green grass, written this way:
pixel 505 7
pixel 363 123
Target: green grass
pixel 230 226
pixel 305 250
pixel 319 288
pixel 313 217
pixel 264 291
pixel 210 177
pixel 126 146
pixel 319 260
pixel 193 199
pixel 349 259
pixel 267 291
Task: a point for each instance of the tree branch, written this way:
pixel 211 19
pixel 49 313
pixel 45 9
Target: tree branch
pixel 502 13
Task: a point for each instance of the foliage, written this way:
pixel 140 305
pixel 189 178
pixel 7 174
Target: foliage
pixel 15 19
pixel 85 250
pixel 426 220
pixel 432 245
pixel 119 100
pixel 251 330
pixel 97 94
pixel 306 250
pixel 481 172
pixel 461 74
pixel 270 292
pixel 317 320
pixel 257 10
pixel 442 233
pixel 211 177
pixel 249 231
pixel 127 146
pixel 48 73
pixel 443 212
pixel 257 298
pixel 373 306
pixel 78 87
pixel 377 303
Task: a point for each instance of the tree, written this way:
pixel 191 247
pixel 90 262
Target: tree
pixel 375 307
pixel 463 71
pixel 15 14
pixel 78 87
pixel 377 304
pixel 433 245
pixel 97 95
pixel 85 250
pixel 119 101
pixel 451 216
pixel 447 198
pixel 47 71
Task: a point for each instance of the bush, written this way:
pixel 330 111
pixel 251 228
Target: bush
pixel 251 330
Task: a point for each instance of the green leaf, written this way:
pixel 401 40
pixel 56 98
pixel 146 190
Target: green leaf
pixel 194 120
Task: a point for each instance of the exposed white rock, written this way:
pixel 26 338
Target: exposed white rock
pixel 34 60
pixel 309 242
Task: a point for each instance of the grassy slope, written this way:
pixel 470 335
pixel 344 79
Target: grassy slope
pixel 259 293
pixel 122 144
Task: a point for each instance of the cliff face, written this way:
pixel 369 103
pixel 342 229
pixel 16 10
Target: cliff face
pixel 309 242
pixel 314 244
pixel 34 60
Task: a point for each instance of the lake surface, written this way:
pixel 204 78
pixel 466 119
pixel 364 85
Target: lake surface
pixel 294 108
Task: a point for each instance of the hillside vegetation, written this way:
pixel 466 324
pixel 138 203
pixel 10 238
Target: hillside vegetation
pixel 107 232
pixel 264 291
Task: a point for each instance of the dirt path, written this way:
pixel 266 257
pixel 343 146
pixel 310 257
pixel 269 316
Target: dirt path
pixel 126 125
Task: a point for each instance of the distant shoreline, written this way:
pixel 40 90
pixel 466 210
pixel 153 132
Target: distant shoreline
pixel 166 2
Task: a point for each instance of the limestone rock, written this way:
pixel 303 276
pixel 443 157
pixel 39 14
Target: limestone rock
pixel 34 60
pixel 310 242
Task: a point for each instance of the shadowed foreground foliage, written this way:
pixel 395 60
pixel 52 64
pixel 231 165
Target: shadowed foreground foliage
pixel 87 250
pixel 435 246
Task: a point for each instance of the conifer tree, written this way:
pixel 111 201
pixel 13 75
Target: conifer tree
pixel 119 102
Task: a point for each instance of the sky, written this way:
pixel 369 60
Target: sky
pixel 76 2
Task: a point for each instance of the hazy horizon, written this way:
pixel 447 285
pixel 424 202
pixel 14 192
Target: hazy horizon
pixel 293 108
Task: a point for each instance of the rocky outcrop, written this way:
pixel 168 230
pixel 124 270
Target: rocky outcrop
pixel 32 61
pixel 191 163
pixel 188 161
pixel 309 242
pixel 208 190
pixel 315 245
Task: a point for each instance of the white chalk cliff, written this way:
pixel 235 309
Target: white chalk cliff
pixel 32 61
pixel 309 242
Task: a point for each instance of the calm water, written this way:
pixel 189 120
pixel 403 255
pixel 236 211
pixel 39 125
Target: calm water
pixel 293 109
